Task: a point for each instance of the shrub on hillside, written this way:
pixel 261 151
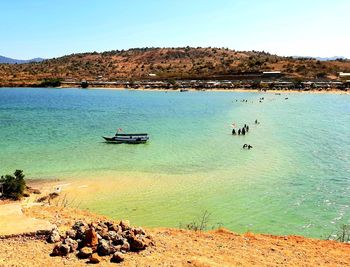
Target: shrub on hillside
pixel 51 82
pixel 13 185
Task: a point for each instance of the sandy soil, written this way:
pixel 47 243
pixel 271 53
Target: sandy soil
pixel 176 247
pixel 14 222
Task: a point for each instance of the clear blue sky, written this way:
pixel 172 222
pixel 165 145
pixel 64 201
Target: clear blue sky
pixel 52 28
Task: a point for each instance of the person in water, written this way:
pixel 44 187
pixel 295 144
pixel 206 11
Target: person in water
pixel 233 132
pixel 256 121
pixel 239 131
pixel 245 145
pixel 249 147
pixel 247 128
pixel 243 131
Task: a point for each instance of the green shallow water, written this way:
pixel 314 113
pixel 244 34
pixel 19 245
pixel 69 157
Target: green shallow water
pixel 296 179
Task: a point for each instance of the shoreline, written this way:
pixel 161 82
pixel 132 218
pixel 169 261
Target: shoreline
pixel 237 90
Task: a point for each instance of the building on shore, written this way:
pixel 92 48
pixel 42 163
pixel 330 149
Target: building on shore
pixel 271 74
pixel 344 76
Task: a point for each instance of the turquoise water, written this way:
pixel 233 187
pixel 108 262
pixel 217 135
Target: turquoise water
pixel 295 180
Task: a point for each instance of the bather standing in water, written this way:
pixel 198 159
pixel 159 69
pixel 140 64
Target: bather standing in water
pixel 233 132
pixel 243 131
pixel 239 131
pixel 247 128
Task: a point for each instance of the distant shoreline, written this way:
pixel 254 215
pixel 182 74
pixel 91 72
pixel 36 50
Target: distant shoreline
pixel 239 90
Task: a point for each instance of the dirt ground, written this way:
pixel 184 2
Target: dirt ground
pixel 14 222
pixel 176 247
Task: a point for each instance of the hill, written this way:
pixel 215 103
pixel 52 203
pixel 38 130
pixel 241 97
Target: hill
pixel 168 63
pixel 7 60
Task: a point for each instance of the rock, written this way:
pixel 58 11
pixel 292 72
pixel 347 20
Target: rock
pixel 103 248
pixel 42 199
pixel 71 233
pixel 110 225
pixel 139 231
pixel 91 239
pixel 54 237
pixel 56 250
pixel 125 247
pixel 125 224
pixel 117 257
pixel 103 224
pixel 26 194
pixel 104 233
pixel 112 235
pixel 119 240
pixel 60 250
pixel 113 249
pixel 80 243
pixel 36 191
pixel 64 249
pixel 79 224
pixel 71 243
pixel 116 228
pixel 80 232
pixel 100 226
pixel 94 258
pixel 136 242
pixel 85 253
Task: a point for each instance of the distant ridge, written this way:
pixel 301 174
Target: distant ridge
pixel 8 60
pixel 323 58
pixel 169 63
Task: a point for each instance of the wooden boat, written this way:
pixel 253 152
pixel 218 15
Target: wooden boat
pixel 127 138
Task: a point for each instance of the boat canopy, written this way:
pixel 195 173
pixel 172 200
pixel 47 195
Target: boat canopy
pixel 141 134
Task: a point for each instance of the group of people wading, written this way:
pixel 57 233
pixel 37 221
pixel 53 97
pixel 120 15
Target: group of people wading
pixel 244 131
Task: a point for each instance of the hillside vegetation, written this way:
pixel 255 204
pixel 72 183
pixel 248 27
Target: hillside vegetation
pixel 167 63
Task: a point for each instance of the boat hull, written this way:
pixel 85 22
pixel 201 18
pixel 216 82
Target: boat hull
pixel 123 140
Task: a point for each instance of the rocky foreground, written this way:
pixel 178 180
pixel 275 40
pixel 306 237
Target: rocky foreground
pixel 172 247
pixel 98 239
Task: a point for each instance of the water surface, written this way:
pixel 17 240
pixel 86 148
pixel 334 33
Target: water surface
pixel 295 180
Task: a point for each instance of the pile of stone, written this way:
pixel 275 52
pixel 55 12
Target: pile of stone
pixel 100 239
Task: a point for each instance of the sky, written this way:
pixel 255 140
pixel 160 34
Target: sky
pixel 53 28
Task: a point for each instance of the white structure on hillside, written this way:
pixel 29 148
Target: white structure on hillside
pixel 344 76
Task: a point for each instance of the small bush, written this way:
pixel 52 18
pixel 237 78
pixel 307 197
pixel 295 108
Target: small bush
pixel 198 225
pixel 343 235
pixel 51 82
pixel 13 185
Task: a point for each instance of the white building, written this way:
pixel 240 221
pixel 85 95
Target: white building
pixel 344 76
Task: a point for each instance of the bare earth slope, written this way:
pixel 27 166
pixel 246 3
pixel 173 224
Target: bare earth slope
pixel 166 63
pixel 175 247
